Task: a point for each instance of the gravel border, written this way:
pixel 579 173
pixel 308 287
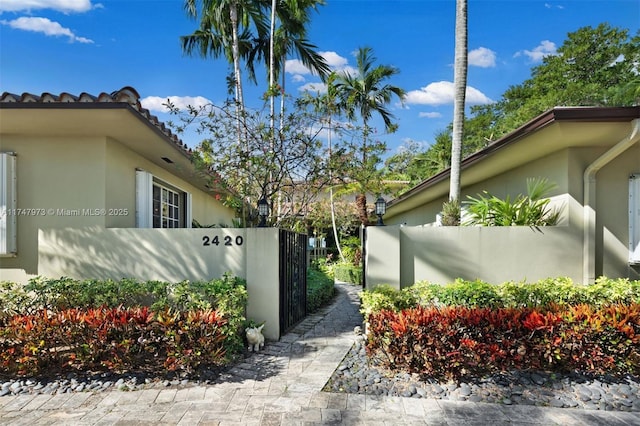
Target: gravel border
pixel 357 374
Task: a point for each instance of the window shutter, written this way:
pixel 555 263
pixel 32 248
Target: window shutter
pixel 187 210
pixel 144 202
pixel 634 219
pixel 8 201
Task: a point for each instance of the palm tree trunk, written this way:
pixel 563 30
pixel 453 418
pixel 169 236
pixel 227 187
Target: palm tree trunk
pixel 361 199
pixel 361 207
pixel 460 86
pixel 272 66
pixel 282 99
pixel 235 49
pixel 233 14
pixel 272 108
pixel 331 202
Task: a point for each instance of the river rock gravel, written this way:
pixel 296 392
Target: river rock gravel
pixel 358 374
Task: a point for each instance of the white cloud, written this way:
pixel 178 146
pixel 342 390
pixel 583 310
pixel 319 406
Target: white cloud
pixel 314 88
pixel 551 6
pixel 429 115
pixel 45 26
pixel 545 48
pixel 482 57
pixel 155 103
pixel 442 92
pixel 59 5
pixel 349 70
pixel 334 60
pixel 296 67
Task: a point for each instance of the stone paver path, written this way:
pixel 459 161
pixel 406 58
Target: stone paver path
pixel 282 385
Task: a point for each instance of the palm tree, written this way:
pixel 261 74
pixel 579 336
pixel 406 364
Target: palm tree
pixel 460 86
pixel 363 94
pixel 289 38
pixel 327 106
pixel 220 23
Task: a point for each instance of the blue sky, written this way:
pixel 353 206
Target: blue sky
pixel 98 46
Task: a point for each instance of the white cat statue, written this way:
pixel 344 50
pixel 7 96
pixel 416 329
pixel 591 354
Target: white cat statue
pixel 255 338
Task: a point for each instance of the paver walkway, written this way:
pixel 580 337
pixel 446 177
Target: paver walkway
pixel 283 386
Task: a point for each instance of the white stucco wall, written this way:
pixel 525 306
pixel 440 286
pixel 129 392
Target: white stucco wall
pixel 493 254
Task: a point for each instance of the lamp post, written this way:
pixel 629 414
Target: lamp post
pixel 263 212
pixel 381 209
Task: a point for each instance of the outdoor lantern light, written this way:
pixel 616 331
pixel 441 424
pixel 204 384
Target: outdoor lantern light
pixel 263 212
pixel 381 209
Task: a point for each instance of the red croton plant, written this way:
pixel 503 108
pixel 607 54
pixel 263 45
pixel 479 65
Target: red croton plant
pixel 453 342
pixel 110 339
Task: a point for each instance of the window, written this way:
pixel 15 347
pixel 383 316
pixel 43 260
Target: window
pixel 168 207
pixel 159 204
pixel 8 204
pixel 634 219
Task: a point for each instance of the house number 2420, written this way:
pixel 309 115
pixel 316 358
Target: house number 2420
pixel 227 240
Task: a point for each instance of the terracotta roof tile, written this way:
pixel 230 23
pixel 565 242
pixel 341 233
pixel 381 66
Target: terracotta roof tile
pixel 127 95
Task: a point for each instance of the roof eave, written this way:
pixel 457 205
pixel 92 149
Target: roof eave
pixel 557 114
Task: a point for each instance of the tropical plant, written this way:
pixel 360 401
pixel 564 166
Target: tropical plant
pixel 530 210
pixel 286 39
pixel 363 93
pixel 451 213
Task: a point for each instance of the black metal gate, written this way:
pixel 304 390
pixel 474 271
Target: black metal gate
pixel 293 279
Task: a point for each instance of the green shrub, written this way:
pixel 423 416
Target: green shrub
pixel 325 266
pixel 347 272
pixel 543 293
pixel 13 298
pixel 226 295
pixel 351 250
pixel 620 290
pixel 320 289
pixel 477 294
pixel 385 297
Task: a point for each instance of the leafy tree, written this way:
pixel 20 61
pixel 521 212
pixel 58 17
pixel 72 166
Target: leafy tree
pixel 593 67
pixel 398 165
pixel 358 166
pixel 290 170
pixel 362 94
pixel 322 216
pixel 438 157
